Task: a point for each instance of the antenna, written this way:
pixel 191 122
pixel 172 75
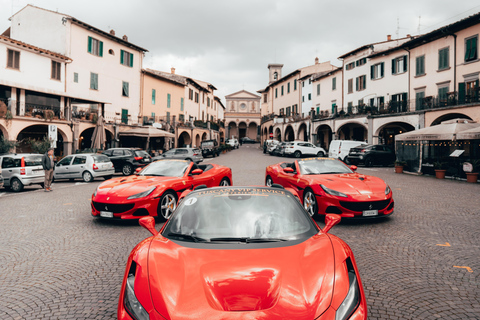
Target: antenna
pixel 398 26
pixel 418 29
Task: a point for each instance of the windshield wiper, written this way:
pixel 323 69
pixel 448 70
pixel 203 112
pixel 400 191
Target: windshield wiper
pixel 186 236
pixel 246 239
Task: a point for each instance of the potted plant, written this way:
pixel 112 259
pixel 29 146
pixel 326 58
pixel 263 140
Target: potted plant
pixel 399 165
pixel 473 175
pixel 440 169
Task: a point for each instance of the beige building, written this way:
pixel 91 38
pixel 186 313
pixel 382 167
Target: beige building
pixel 242 115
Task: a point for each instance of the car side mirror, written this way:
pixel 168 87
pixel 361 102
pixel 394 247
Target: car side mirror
pixel 330 221
pixel 138 170
pixel 149 224
pixel 354 168
pixel 197 172
pixel 288 170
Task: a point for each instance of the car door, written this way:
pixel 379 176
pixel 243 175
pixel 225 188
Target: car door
pixel 8 167
pixel 78 166
pixel 181 154
pixel 62 168
pixel 117 158
pixel 288 179
pixel 169 154
pixel 199 179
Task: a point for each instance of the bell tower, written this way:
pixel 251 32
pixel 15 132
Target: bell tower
pixel 274 72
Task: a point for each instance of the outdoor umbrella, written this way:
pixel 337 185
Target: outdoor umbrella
pixel 447 130
pixel 470 134
pixel 147 132
pixel 98 136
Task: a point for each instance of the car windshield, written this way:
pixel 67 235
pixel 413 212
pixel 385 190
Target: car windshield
pixel 239 214
pixel 322 166
pixel 100 158
pixel 141 153
pixel 168 168
pixel 33 160
pixel 207 144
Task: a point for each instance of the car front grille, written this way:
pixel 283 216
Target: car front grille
pixel 112 207
pixel 361 206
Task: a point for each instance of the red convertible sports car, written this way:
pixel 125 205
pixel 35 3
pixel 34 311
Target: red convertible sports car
pixel 241 253
pixel 155 189
pixel 329 186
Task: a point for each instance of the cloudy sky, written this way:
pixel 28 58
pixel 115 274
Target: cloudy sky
pixel 230 43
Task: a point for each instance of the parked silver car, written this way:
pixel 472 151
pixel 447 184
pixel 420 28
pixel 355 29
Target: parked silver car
pixel 21 169
pixel 302 148
pixel 192 154
pixel 86 166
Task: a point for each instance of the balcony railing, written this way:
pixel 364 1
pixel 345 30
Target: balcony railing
pixel 42 112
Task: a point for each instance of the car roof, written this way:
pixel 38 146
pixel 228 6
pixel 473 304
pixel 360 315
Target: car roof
pixel 19 154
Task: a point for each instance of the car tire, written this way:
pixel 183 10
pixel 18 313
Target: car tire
pixel 166 205
pixel 368 162
pixel 310 203
pixel 87 176
pixel 16 185
pixel 297 154
pixel 269 181
pixel 127 169
pixel 107 177
pixel 321 154
pixel 347 161
pixel 224 183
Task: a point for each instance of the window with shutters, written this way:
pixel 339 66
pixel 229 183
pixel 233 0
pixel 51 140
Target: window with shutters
pixel 360 62
pixel 95 47
pixel 181 104
pixel 420 66
pixel 154 93
pixel 93 81
pixel 282 90
pixel 361 83
pixel 350 66
pixel 295 85
pixel 124 118
pixel 419 98
pixel 471 45
pixel 377 71
pixel 276 92
pixel 56 70
pixel 318 89
pixel 288 87
pixel 350 86
pixel 334 84
pixel 190 94
pixel 13 59
pixel 125 89
pixel 289 112
pixel 75 77
pixel 196 97
pixel 399 65
pixel 443 59
pixel 169 100
pixel 442 95
pixel 126 58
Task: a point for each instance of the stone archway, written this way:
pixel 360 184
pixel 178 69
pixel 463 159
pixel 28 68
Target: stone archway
pixel 197 141
pixel 352 131
pixel 449 116
pixel 38 132
pixel 184 139
pixel 386 133
pixel 252 130
pixel 303 132
pixel 242 130
pixel 289 134
pixel 278 135
pixel 232 130
pixel 324 136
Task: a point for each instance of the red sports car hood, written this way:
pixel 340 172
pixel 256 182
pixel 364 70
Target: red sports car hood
pixel 127 186
pixel 353 184
pixel 288 282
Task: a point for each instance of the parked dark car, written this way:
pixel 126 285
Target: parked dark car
pixel 127 160
pixel 279 150
pixel 191 154
pixel 248 140
pixel 209 148
pixel 370 155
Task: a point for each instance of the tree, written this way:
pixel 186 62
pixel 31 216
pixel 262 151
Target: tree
pixel 5 145
pixel 40 146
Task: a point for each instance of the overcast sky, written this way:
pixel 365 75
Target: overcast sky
pixel 230 43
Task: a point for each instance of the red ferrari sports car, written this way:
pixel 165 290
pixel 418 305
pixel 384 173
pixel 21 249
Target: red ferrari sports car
pixel 327 185
pixel 241 253
pixel 155 189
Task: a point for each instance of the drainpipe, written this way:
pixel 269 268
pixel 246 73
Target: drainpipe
pixel 408 75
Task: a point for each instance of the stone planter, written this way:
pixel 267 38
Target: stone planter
pixel 472 177
pixel 440 174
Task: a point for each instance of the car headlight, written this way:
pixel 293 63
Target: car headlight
pixel 141 194
pixel 387 190
pixel 133 306
pixel 333 192
pixel 352 300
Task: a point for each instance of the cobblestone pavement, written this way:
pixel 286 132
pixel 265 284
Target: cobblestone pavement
pixel 57 262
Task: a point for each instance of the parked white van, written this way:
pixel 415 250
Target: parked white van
pixel 339 149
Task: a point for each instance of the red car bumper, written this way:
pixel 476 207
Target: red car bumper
pixel 127 210
pixel 355 209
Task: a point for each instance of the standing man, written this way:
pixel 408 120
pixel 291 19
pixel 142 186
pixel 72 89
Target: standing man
pixel 48 165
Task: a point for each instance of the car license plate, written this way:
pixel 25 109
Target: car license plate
pixel 106 214
pixel 147 160
pixel 369 213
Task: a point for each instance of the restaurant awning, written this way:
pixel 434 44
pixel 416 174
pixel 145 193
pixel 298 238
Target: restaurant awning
pixel 447 130
pixel 146 132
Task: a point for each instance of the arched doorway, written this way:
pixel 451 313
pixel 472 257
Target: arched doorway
pixel 278 134
pixel 252 130
pixel 38 133
pixel 184 139
pixel 324 136
pixel 387 133
pixel 232 130
pixel 242 130
pixel 302 132
pixel 352 131
pixel 450 116
pixel 289 134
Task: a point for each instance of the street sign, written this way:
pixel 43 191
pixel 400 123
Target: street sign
pixel 271 135
pixel 52 135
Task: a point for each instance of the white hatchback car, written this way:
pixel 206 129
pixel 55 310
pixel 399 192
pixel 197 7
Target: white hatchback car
pixel 21 169
pixel 233 143
pixel 303 148
pixel 86 166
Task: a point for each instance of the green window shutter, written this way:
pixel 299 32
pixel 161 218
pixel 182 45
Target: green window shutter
pixel 153 96
pixel 382 67
pixel 168 100
pixel 473 54
pixel 467 50
pixel 417 66
pixel 89 44
pixel 124 116
pixel 100 49
pixel 372 72
pixel 131 59
pixel 356 84
pixel 121 56
pixel 364 78
pixel 334 83
pixel 181 104
pixel 394 66
pixel 461 92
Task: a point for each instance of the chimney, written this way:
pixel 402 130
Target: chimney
pixel 389 37
pixel 125 38
pixel 316 60
pixel 112 32
pixel 172 70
